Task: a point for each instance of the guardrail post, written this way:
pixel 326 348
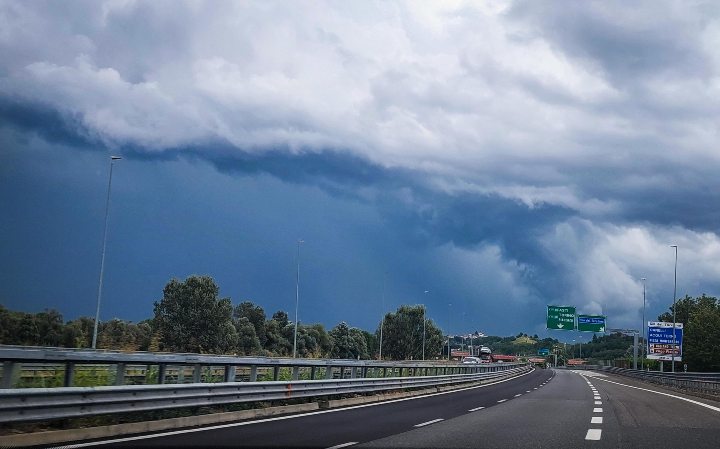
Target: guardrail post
pixel 120 374
pixel 161 373
pixel 328 372
pixel 253 373
pixel 9 370
pixel 276 373
pixel 197 373
pixel 296 372
pixel 353 372
pixel 312 372
pixel 230 373
pixel 69 374
pixel 384 371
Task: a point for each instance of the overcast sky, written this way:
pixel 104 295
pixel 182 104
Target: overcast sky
pixel 501 156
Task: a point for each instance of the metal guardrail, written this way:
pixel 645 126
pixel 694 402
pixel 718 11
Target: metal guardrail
pixel 705 383
pixel 166 368
pixel 34 404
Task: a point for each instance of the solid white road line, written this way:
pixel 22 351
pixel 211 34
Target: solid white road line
pixel 593 434
pixel 428 422
pixel 476 409
pixel 711 407
pixel 502 400
pixel 596 420
pixel 597 410
pixel 343 445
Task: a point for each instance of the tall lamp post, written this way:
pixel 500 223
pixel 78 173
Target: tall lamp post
pixel 423 339
pixel 102 257
pixel 382 321
pixel 644 351
pixel 674 311
pixel 449 311
pixel 297 296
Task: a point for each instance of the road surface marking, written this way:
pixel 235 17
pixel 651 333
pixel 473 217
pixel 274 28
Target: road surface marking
pixel 535 388
pixel 597 410
pixel 597 396
pixel 518 395
pixel 717 409
pixel 596 420
pixel 527 391
pixel 428 422
pixel 593 434
pixel 476 409
pixel 502 400
pixel 598 402
pixel 280 418
pixel 343 445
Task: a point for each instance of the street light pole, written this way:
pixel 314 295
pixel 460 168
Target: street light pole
pixel 382 321
pixel 102 257
pixel 297 296
pixel 423 339
pixel 642 361
pixel 674 310
pixel 449 310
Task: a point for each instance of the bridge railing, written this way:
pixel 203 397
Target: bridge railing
pixel 705 383
pixel 60 367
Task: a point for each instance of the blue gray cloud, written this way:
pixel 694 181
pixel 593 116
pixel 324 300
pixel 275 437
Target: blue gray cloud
pixel 558 149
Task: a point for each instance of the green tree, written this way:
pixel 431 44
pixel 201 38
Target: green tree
pixel 191 318
pixel 255 315
pixel 403 335
pixel 248 342
pixel 701 331
pixel 348 343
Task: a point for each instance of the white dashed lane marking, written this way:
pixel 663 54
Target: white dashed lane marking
pixel 343 445
pixel 596 420
pixel 593 434
pixel 502 400
pixel 597 410
pixel 427 423
pixel 476 409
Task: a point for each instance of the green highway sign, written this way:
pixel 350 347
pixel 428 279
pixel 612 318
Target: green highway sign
pixel 561 318
pixel 591 323
pixel 544 351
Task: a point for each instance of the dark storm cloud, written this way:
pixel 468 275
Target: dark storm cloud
pixel 537 140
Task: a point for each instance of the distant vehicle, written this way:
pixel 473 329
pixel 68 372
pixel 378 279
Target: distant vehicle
pixel 470 360
pixel 485 355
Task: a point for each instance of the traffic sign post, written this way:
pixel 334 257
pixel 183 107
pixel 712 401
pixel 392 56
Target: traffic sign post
pixel 660 341
pixel 561 318
pixel 591 323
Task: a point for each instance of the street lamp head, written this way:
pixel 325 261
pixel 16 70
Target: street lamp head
pixel 673 246
pixel 115 158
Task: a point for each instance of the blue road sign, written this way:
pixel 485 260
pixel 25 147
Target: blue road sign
pixel 661 341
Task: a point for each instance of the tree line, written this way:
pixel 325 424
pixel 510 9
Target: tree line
pixel 192 317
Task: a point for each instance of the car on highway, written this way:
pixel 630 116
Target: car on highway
pixel 471 360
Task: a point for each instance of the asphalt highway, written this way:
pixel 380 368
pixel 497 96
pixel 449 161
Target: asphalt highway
pixel 544 408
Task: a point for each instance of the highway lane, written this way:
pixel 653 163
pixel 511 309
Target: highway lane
pixel 639 415
pixel 545 408
pixel 356 424
pixel 577 410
